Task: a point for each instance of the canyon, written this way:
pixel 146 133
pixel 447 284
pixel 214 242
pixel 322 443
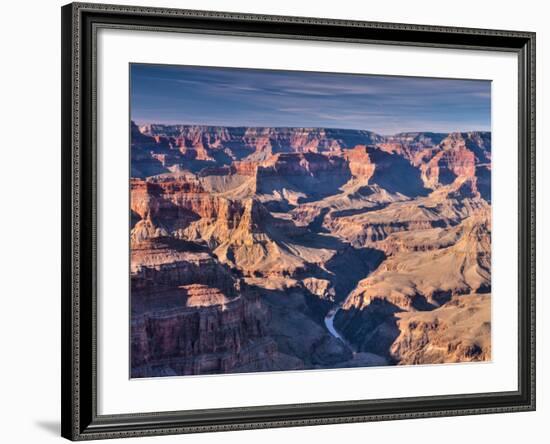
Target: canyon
pixel 270 249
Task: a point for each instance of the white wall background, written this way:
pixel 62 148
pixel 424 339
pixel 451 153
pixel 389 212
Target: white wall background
pixel 30 221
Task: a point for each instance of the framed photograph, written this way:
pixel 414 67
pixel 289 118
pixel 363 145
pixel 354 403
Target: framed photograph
pixel 281 221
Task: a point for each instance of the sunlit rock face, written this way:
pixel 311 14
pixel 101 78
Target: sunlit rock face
pixel 250 247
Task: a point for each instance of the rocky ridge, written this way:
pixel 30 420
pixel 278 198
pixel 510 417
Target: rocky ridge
pixel 243 239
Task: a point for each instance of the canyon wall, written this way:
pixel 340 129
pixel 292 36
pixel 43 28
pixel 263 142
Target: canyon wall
pixel 245 242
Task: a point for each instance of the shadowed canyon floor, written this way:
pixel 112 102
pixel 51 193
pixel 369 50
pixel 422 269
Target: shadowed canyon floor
pixel 268 249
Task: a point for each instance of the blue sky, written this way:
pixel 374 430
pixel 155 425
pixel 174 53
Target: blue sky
pixel 249 97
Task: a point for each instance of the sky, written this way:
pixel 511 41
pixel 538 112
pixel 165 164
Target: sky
pixel 193 95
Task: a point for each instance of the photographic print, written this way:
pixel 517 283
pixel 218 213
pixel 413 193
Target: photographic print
pixel 292 220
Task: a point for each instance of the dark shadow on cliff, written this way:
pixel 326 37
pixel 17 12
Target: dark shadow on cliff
pixel 396 174
pixel 345 269
pixel 483 174
pixel 297 326
pixel 316 225
pixel 314 183
pixel 372 329
pixel 351 266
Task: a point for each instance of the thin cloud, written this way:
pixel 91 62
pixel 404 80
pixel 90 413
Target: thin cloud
pixel 246 97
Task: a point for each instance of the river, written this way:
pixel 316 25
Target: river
pixel 329 323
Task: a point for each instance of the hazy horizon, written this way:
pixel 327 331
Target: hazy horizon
pixel 237 97
pixel 142 123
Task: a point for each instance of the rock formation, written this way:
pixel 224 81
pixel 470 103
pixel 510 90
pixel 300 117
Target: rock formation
pixel 244 241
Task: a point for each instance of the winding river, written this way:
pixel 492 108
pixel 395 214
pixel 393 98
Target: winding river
pixel 329 323
pixel 329 318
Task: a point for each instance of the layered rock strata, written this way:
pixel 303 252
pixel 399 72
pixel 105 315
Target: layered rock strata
pixel 244 240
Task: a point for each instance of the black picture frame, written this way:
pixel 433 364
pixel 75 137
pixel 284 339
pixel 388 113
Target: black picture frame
pixel 80 420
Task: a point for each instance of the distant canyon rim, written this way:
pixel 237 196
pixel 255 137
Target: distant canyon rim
pixel 270 249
